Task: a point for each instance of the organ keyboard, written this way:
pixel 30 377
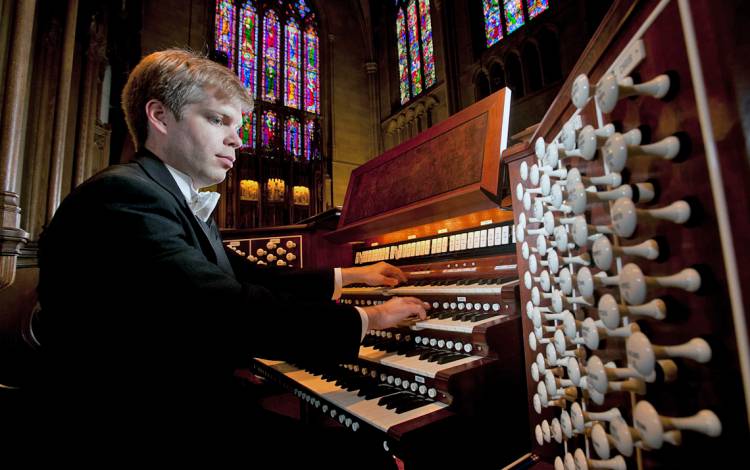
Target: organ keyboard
pixel 442 379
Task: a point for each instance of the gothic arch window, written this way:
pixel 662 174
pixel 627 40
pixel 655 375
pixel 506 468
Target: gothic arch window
pixel 514 75
pixel 416 60
pixel 550 55
pixel 503 17
pixel 273 45
pixel 497 77
pixel 482 85
pixel 531 66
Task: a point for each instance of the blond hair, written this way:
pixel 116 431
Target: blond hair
pixel 177 78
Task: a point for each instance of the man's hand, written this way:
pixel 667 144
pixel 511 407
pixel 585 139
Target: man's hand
pixel 396 310
pixel 378 274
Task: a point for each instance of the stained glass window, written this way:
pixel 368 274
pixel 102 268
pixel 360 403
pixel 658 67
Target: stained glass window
pixel 224 27
pixel 270 81
pixel 416 59
pixel 536 7
pixel 403 62
pixel 247 131
pixel 248 46
pixel 309 137
pixel 312 71
pixel 292 72
pixel 303 8
pixel 492 27
pixel 513 15
pixel 425 29
pixel 268 132
pixel 274 48
pixel 292 137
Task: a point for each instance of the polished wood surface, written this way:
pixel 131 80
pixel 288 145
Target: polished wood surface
pixel 449 170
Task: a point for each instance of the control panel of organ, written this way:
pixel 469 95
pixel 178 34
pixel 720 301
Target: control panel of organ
pixel 603 288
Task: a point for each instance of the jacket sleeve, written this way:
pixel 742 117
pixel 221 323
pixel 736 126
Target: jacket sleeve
pixel 156 282
pixel 303 284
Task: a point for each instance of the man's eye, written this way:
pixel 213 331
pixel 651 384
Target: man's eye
pixel 215 120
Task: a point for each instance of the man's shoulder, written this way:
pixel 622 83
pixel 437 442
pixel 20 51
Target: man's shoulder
pixel 122 173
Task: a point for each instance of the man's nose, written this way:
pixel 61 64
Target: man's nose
pixel 234 139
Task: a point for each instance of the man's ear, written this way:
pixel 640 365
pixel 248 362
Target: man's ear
pixel 157 115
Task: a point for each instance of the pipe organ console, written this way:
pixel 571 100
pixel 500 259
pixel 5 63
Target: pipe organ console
pixel 628 236
pixel 439 392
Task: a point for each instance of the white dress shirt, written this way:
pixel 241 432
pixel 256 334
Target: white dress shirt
pixel 203 203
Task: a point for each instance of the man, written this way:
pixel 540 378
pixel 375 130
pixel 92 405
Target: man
pixel 144 316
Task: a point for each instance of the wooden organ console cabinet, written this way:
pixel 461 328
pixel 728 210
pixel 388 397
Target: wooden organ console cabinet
pixel 436 393
pixel 296 246
pixel 630 209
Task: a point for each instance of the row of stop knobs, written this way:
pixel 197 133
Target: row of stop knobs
pixel 562 285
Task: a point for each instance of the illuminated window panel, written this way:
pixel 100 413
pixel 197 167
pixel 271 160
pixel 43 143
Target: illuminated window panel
pixel 301 195
pixel 275 189
pixel 249 190
pixel 292 137
pixel 536 7
pixel 248 47
pixel 513 15
pixel 292 65
pixel 269 125
pixel 425 26
pixel 224 29
pixel 247 131
pixel 271 44
pixel 416 61
pixel 493 28
pixel 303 8
pixel 309 137
pixel 403 62
pixel 312 71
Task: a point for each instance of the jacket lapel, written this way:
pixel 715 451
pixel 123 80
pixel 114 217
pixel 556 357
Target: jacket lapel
pixel 156 170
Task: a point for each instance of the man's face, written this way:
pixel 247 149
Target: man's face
pixel 202 143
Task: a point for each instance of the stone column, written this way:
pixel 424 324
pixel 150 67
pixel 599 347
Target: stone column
pixel 12 237
pixel 376 147
pixel 62 108
pixel 90 93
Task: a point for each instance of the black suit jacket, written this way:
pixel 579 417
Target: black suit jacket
pixel 143 314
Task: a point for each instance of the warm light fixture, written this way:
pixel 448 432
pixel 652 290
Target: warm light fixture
pixel 249 190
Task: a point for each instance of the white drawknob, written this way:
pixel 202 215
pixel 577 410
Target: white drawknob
pixel 622 436
pixel 610 311
pixel 539 148
pixel 587 282
pixel 625 215
pixel 565 281
pixel 600 441
pixel 574 177
pixel 610 89
pixel 652 427
pixel 634 284
pixel 599 375
pixel 523 169
pixel 617 149
pixel 580 231
pixel 639 192
pixel 603 251
pixel 642 354
pixel 589 139
pixel 580 92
